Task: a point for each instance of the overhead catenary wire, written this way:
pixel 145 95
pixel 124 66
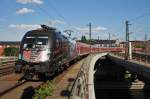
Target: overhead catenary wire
pixel 140 27
pixel 137 18
pixel 44 11
pixel 69 25
pixel 61 16
pixel 140 16
pixel 57 12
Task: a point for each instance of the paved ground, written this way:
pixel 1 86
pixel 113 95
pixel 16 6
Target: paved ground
pixel 63 86
pixel 135 61
pixel 140 62
pixel 112 85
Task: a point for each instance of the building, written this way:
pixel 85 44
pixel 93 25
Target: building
pixel 106 43
pixel 138 45
pixel 148 47
pixel 6 44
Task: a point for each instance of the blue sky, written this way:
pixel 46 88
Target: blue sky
pixel 19 16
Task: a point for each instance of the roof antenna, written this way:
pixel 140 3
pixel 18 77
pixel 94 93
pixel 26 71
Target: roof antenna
pixel 47 27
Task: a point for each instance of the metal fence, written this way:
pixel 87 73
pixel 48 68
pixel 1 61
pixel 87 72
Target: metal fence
pixel 141 58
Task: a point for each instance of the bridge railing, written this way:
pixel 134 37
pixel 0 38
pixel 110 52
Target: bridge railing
pixel 141 58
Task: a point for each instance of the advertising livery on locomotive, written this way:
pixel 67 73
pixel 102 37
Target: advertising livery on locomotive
pixel 45 51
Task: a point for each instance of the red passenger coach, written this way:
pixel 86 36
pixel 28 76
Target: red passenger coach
pixel 83 49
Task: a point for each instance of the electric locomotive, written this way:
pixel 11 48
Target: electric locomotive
pixel 45 51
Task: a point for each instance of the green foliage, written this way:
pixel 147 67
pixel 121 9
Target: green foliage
pixel 44 91
pixel 11 51
pixel 84 40
pixel 127 76
pixel 140 46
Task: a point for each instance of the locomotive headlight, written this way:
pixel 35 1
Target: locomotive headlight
pixel 44 56
pixel 19 56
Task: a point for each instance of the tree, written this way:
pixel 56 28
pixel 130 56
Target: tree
pixel 83 39
pixel 11 51
pixel 140 46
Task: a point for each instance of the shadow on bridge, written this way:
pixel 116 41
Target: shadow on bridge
pixel 67 91
pixel 112 81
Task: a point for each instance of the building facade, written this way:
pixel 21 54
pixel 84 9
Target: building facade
pixel 148 47
pixel 106 43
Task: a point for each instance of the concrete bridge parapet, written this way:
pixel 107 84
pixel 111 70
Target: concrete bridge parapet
pixel 83 87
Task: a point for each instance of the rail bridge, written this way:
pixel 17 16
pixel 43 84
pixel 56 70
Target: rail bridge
pixel 85 85
pixel 96 72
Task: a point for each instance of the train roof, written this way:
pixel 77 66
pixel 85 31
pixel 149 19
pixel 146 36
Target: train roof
pixel 36 33
pixel 65 35
pixel 44 30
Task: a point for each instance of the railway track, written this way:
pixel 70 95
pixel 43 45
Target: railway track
pixel 20 90
pixel 25 89
pixel 6 69
pixel 13 87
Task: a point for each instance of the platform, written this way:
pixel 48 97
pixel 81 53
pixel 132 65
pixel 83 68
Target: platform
pixel 62 89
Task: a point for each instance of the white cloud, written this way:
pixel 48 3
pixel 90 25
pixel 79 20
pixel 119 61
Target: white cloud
pixel 94 29
pixel 56 22
pixel 24 26
pixel 30 1
pixel 24 11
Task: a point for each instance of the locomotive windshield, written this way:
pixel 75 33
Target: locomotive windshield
pixel 35 42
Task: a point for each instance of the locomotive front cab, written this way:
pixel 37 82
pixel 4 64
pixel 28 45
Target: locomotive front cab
pixel 35 51
pixel 36 47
